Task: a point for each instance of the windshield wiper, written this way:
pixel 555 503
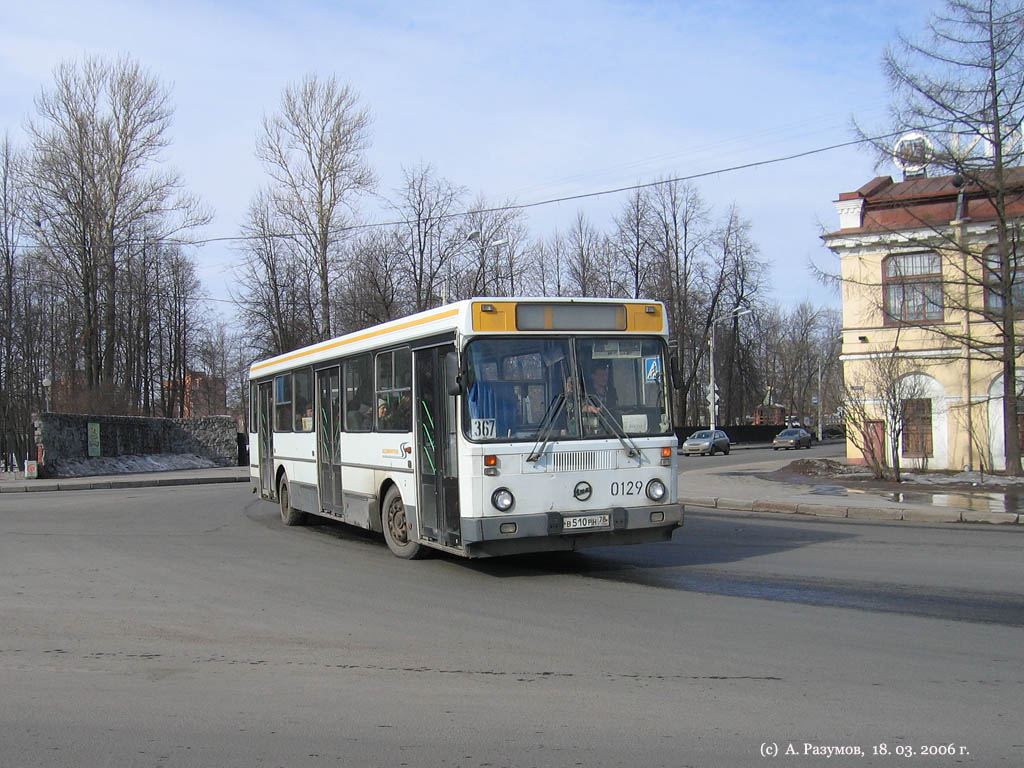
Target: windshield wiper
pixel 544 431
pixel 608 420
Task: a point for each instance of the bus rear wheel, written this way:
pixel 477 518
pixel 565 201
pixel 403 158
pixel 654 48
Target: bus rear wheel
pixel 396 526
pixel 289 514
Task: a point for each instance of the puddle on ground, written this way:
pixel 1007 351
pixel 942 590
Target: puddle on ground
pixel 976 501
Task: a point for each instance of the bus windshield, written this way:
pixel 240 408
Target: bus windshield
pixel 585 387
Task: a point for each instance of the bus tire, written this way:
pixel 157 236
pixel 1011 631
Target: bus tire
pixel 396 527
pixel 289 514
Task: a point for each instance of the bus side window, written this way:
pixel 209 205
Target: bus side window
pixel 303 388
pixel 359 394
pixel 283 403
pixel 394 390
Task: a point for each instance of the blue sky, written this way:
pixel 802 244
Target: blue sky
pixel 531 100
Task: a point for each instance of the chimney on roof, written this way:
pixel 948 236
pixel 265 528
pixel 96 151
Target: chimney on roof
pixel 851 211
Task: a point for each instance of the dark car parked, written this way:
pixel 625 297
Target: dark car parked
pixel 792 438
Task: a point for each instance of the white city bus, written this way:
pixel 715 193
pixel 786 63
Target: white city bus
pixel 484 427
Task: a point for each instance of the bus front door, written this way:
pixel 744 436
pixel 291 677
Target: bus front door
pixel 437 459
pixel 265 439
pixel 328 440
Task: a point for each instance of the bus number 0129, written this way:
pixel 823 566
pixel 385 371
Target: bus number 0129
pixel 627 488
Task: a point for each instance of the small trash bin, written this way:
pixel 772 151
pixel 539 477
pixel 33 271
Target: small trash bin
pixel 31 470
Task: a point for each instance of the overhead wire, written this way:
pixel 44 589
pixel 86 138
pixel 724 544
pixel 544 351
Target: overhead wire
pixel 509 206
pixel 566 198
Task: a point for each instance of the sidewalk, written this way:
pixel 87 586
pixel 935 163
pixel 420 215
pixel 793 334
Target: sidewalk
pixel 15 482
pixel 737 488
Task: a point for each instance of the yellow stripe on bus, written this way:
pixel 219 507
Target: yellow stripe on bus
pixel 360 337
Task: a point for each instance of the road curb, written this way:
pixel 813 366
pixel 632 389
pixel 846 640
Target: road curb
pixel 873 513
pixel 906 515
pixel 932 515
pixel 822 510
pixel 994 518
pixel 85 485
pixel 698 501
pixel 774 506
pixel 740 505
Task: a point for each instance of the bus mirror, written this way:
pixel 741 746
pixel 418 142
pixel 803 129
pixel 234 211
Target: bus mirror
pixel 451 375
pixel 677 376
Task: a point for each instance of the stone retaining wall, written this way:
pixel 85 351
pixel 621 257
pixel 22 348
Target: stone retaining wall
pixel 65 436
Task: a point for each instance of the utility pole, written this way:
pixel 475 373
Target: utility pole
pixel 821 433
pixel 712 387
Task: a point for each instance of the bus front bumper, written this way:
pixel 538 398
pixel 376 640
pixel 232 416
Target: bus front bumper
pixel 554 531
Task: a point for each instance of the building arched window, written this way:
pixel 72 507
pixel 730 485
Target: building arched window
pixel 912 287
pixel 996 290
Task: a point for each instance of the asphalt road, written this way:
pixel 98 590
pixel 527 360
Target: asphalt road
pixel 188 627
pixel 762 453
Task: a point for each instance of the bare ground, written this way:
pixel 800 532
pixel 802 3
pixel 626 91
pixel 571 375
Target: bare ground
pixel 816 471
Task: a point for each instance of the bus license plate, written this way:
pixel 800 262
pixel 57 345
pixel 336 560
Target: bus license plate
pixel 586 521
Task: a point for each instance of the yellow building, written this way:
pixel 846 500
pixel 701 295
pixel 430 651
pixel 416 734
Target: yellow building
pixel 916 260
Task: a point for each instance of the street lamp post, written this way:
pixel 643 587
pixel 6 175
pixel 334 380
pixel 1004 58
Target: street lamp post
pixel 712 388
pixel 821 432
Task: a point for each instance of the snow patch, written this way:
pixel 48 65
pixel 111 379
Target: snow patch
pixel 127 465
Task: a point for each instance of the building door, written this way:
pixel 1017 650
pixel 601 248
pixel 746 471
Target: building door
pixel 265 439
pixel 328 439
pixel 436 455
pixel 874 443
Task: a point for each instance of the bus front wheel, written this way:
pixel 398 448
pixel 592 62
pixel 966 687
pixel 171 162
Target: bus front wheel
pixel 289 514
pixel 396 527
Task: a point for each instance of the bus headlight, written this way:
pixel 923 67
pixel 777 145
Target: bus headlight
pixel 656 490
pixel 503 500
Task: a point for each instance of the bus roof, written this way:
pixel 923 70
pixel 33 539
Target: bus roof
pixel 477 316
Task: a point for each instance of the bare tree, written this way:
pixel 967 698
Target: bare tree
pixel 370 294
pixel 745 278
pixel 885 395
pixel 95 181
pixel 632 243
pixel 178 327
pixel 432 239
pixel 495 240
pixel 680 233
pixel 272 284
pixel 11 213
pixel 314 150
pixel 963 88
pixel 545 271
pixel 586 255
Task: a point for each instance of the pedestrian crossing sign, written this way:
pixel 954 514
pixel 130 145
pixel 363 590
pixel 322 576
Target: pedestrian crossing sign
pixel 652 369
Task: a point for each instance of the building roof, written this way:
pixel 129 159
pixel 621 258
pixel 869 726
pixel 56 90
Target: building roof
pixel 925 202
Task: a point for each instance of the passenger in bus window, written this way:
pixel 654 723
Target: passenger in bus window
pixel 359 410
pixel 394 411
pixel 599 384
pixel 402 414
